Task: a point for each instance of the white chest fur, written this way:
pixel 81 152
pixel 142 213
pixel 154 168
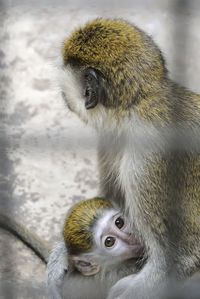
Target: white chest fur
pixel 125 155
pixel 124 164
pixel 131 171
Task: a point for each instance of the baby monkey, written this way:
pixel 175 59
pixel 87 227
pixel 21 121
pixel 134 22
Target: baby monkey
pixel 95 234
pixel 98 243
pixel 98 249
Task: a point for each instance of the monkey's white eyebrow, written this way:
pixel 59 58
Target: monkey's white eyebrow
pixel 102 224
pixel 106 228
pixel 114 217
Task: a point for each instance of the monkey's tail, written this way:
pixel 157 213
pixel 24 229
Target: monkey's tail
pixel 39 246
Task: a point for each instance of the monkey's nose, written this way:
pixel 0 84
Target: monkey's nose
pixel 132 240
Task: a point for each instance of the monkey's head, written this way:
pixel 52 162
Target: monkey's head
pixel 109 66
pixel 96 234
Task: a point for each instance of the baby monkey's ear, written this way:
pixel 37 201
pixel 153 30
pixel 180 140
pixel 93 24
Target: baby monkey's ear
pixel 93 89
pixel 84 266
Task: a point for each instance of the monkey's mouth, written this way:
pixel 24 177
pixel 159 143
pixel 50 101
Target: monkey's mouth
pixel 137 247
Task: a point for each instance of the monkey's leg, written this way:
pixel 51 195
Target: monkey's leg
pixel 56 269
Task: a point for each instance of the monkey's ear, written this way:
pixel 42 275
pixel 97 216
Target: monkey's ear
pixel 85 267
pixel 92 88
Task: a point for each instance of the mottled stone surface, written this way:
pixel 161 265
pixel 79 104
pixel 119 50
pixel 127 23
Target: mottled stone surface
pixel 21 272
pixel 47 156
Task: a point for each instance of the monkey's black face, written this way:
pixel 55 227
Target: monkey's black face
pixel 85 94
pixel 92 88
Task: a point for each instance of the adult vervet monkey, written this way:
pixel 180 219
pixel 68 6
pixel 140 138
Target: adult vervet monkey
pixel 115 79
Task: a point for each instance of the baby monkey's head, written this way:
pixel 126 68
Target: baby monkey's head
pixel 97 234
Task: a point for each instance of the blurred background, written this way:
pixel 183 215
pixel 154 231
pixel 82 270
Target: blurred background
pixel 47 156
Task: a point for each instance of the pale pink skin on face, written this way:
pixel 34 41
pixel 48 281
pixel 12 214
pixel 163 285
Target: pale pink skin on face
pixel 125 245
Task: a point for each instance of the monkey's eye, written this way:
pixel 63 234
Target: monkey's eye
pixel 109 241
pixel 90 75
pixel 119 222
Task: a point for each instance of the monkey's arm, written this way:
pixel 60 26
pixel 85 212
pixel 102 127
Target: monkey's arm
pixel 107 176
pixel 38 245
pixel 130 287
pixel 56 269
pixel 133 285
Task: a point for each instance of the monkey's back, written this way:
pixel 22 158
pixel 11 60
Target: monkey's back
pixel 169 197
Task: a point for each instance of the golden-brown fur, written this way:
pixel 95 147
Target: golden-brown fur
pixel 78 233
pixel 114 48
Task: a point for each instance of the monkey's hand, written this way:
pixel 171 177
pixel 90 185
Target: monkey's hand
pixel 126 289
pixel 143 285
pixel 130 288
pixel 56 269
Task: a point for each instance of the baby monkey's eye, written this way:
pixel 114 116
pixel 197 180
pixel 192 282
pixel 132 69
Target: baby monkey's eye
pixel 119 222
pixel 110 241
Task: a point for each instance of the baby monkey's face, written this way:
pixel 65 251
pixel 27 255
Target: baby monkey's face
pixel 114 242
pixel 115 239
